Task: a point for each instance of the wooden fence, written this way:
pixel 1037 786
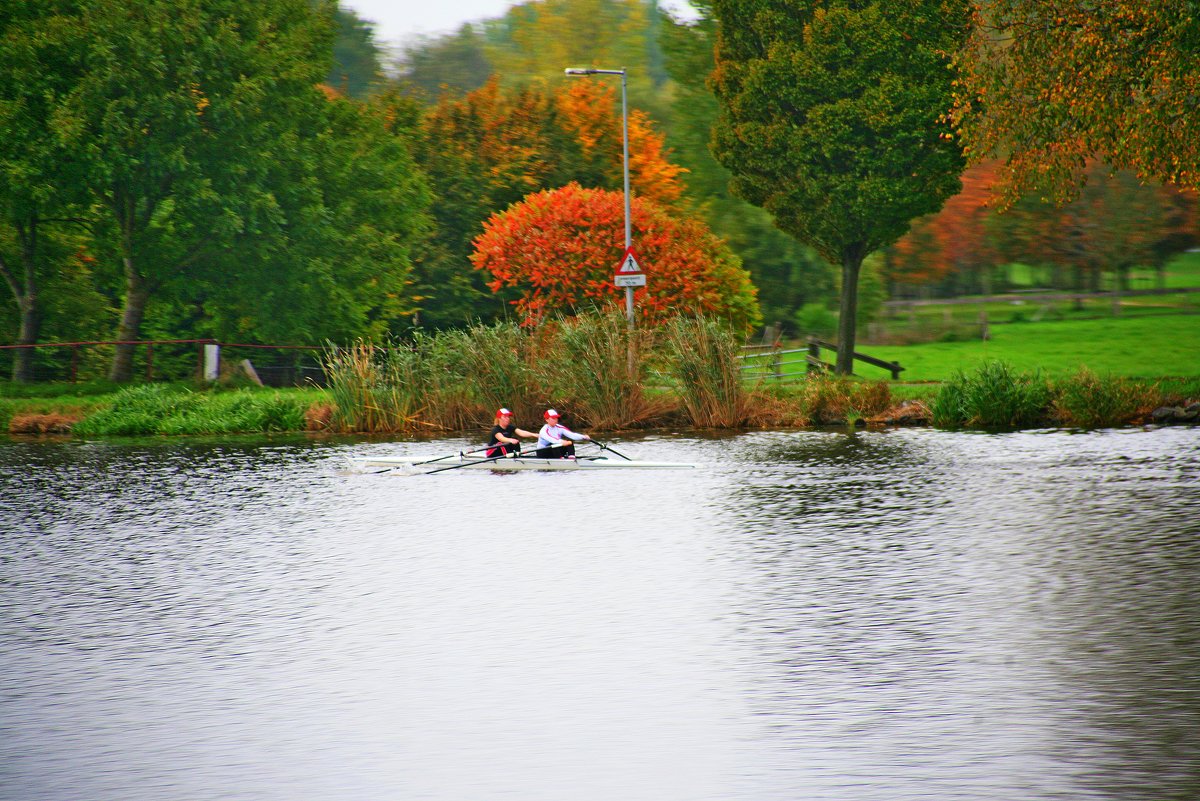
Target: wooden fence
pixel 772 363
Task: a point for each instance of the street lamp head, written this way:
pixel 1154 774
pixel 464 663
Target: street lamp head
pixel 591 71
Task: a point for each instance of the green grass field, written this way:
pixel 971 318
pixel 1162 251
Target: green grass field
pixel 1134 347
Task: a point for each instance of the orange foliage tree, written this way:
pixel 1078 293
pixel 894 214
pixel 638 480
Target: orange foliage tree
pixel 956 241
pixel 487 150
pixel 560 249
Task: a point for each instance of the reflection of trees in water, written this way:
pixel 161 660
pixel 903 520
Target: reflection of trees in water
pixel 1018 611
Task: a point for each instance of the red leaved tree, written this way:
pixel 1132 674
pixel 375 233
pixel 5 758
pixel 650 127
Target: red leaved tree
pixel 560 249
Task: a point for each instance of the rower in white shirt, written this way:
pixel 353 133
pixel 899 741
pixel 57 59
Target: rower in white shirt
pixel 556 441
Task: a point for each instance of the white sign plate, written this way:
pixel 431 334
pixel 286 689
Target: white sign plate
pixel 630 279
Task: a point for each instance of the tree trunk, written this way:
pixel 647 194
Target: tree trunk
pixel 136 296
pixel 25 293
pixel 852 259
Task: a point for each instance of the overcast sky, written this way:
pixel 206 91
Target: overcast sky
pixel 397 21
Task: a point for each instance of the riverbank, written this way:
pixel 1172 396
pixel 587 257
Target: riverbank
pixel 994 397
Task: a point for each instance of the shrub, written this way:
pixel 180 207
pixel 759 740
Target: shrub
pixel 993 397
pixel 834 399
pixel 1086 400
pixel 816 320
pixel 159 409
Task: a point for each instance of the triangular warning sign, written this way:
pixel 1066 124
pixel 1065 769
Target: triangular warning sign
pixel 629 262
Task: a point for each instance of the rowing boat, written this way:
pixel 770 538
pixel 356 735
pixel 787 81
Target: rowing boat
pixel 469 462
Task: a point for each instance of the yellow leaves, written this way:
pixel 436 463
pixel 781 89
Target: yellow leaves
pixel 200 100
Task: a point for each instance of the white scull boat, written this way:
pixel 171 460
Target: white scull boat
pixel 514 463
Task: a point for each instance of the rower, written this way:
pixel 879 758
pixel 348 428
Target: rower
pixel 503 440
pixel 556 441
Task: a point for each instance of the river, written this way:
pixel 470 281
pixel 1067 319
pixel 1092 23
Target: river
pixel 872 616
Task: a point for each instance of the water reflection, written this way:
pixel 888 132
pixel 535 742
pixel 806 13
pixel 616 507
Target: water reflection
pixel 975 621
pixel 829 615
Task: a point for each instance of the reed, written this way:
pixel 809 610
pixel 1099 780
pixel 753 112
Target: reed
pixel 374 389
pixel 994 397
pixel 598 368
pixel 702 358
pixel 1086 400
pixel 496 365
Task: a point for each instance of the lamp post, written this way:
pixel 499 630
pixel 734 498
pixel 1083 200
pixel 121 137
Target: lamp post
pixel 625 157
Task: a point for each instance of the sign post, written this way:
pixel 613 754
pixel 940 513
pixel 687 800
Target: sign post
pixel 630 274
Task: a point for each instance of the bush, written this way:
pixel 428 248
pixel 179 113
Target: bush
pixel 994 397
pixel 1086 400
pixel 814 319
pixel 828 399
pixel 160 409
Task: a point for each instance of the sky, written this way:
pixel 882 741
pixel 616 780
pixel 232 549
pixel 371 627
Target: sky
pixel 397 21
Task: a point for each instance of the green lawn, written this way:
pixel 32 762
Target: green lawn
pixel 1134 347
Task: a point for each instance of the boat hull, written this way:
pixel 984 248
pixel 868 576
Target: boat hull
pixel 513 464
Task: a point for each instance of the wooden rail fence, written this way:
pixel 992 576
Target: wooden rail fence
pixel 770 362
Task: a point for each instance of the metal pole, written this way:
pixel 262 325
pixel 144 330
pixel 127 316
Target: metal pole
pixel 628 218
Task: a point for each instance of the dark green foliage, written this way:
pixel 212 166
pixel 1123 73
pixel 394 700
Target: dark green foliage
pixel 162 409
pixel 787 273
pixel 832 119
pixel 356 68
pixel 994 397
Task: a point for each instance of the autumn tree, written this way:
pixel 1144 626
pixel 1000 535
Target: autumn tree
pixel 954 244
pixel 489 149
pixel 1048 84
pixel 833 119
pixel 559 249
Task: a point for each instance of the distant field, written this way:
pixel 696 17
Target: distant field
pixel 1181 271
pixel 1135 347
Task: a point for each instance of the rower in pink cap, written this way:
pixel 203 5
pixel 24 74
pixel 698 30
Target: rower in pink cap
pixel 556 441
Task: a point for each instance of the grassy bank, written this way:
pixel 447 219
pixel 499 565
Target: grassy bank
pixel 683 374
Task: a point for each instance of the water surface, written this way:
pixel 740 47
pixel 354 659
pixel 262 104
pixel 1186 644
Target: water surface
pixel 908 614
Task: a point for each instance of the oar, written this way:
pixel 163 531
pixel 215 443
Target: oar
pixel 604 447
pixel 464 464
pixel 431 461
pixel 451 456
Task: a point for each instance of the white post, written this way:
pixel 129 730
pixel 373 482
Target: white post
pixel 212 362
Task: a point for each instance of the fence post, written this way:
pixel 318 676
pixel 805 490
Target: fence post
pixel 211 354
pixel 814 353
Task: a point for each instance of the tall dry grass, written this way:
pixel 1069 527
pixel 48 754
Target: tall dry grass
pixel 598 368
pixel 701 356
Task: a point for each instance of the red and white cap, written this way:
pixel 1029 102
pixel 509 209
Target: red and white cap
pixel 502 411
pixel 551 413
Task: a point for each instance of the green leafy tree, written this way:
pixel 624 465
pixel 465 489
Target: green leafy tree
pixel 182 110
pixel 353 203
pixel 356 62
pixel 833 119
pixel 39 61
pixel 788 275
